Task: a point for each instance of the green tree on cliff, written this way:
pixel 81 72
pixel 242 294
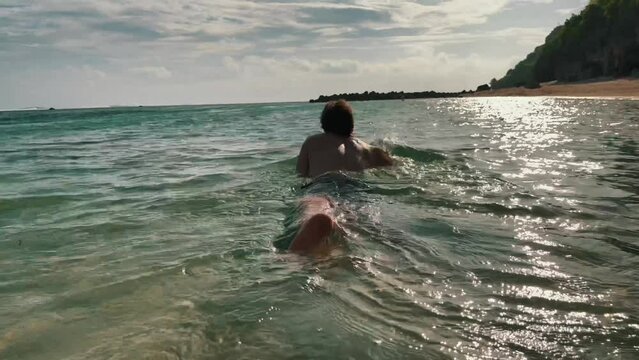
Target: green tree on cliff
pixel 602 40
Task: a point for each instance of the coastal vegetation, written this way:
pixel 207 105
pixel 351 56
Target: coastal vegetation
pixel 393 95
pixel 601 41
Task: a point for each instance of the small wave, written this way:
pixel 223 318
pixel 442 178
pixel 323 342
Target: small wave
pixel 396 190
pixel 31 202
pixel 523 295
pixel 513 277
pixel 503 210
pixel 420 155
pixel 284 164
pixel 621 245
pixel 194 181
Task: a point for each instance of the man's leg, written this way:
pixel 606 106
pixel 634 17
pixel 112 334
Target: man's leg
pixel 318 223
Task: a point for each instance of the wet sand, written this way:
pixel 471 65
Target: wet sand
pixel 621 88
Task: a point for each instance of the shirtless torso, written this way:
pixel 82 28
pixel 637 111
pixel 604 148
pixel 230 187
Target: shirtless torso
pixel 326 152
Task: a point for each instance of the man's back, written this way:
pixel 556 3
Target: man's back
pixel 326 152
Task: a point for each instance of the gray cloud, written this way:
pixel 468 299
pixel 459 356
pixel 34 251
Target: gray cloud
pixel 342 16
pixel 202 45
pixel 133 30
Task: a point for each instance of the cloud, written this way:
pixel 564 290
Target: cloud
pixel 92 72
pixel 343 66
pixel 344 16
pixel 158 72
pixel 221 47
pixel 133 30
pixel 200 21
pixel 210 42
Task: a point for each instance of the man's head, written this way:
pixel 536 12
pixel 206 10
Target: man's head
pixel 337 118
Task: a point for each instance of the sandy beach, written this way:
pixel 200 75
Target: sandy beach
pixel 621 88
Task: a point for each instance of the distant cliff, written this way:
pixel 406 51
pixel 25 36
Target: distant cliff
pixel 602 40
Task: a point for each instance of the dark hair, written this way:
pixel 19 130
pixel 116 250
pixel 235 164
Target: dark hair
pixel 337 118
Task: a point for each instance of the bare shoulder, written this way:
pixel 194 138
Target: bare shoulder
pixel 314 138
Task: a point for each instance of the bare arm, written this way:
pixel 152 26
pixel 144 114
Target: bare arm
pixel 378 157
pixel 302 161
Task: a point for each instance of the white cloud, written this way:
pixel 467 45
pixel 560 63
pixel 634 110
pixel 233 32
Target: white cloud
pixel 91 72
pixel 222 47
pixel 159 72
pixel 200 44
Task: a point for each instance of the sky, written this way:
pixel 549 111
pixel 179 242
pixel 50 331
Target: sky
pixel 157 52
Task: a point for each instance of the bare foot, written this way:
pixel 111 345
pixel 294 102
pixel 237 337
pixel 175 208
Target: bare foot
pixel 313 233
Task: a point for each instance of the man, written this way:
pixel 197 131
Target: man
pixel 334 150
pixel 337 149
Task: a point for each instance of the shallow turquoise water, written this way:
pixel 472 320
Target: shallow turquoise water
pixel 508 229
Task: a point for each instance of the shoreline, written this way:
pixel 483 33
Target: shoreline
pixel 620 89
pixel 609 89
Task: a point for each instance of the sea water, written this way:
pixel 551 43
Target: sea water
pixel 507 229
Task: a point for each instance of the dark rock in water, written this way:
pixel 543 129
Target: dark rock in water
pixel 393 95
pixel 483 87
pixel 51 108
